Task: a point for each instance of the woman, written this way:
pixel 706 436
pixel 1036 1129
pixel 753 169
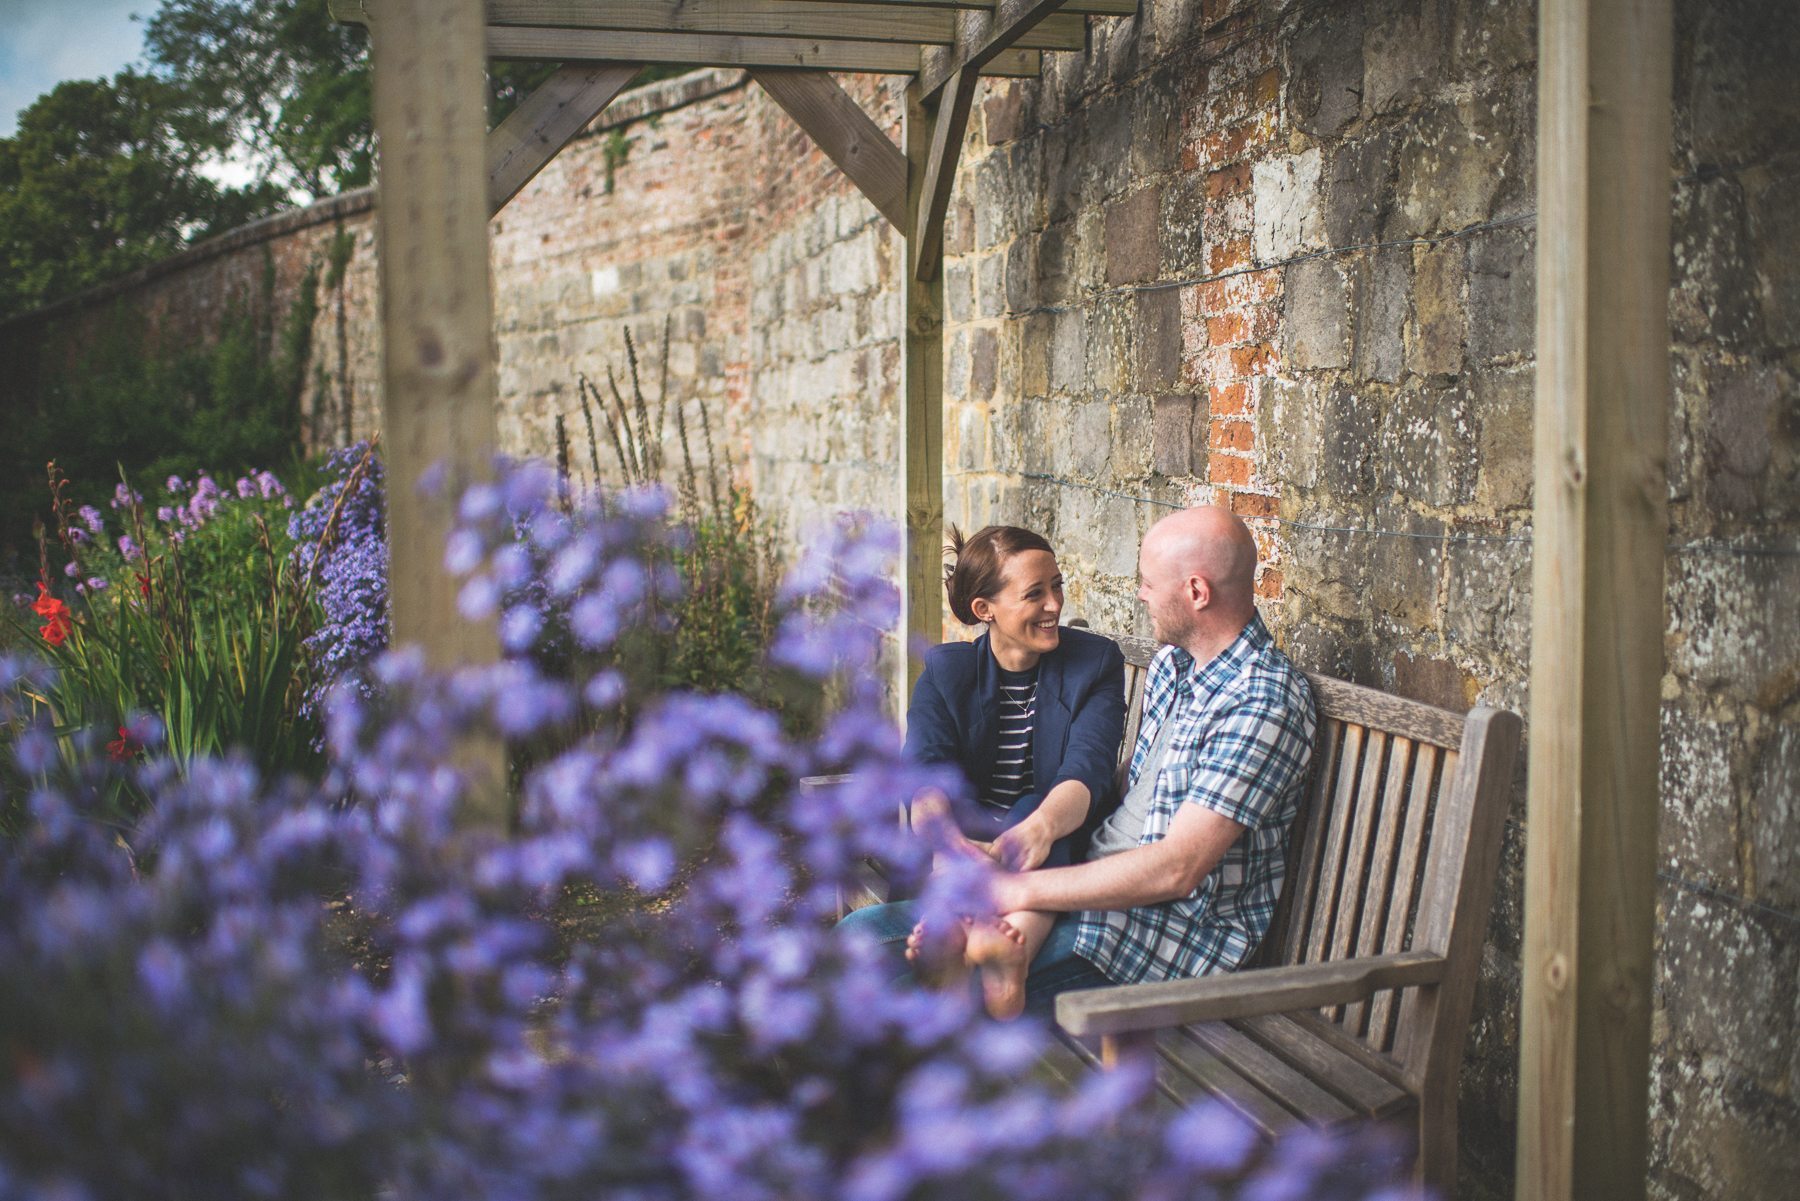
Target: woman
pixel 1032 713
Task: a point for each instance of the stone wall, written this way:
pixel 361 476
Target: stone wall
pixel 1274 254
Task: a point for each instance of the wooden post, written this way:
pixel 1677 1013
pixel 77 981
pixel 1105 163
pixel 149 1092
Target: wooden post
pixel 1597 595
pixel 430 101
pixel 922 447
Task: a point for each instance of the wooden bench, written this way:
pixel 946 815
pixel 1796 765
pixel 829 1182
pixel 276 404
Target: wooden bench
pixel 1356 1005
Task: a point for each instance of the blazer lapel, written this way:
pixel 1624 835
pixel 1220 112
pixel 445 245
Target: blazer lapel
pixel 1051 729
pixel 983 700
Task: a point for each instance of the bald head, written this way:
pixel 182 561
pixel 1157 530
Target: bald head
pixel 1199 573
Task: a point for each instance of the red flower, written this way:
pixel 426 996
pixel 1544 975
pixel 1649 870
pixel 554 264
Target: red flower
pixel 143 580
pixel 57 622
pixel 123 747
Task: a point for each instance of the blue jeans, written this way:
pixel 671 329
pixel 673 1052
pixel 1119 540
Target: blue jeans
pixel 1057 968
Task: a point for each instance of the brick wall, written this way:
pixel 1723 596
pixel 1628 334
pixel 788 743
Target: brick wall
pixel 1278 255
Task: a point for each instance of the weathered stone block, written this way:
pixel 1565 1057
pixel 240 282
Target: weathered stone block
pixel 1428 442
pixel 1700 827
pixel 1292 433
pixel 1287 212
pixel 1343 649
pixel 1330 567
pixel 1172 436
pixel 1403 51
pixel 1357 196
pixel 1318 321
pixel 990 286
pixel 1432 679
pixel 1713 293
pixel 984 357
pixel 1502 296
pixel 1021 275
pixel 1325 72
pixel 1055 266
pixel 1452 165
pixel 1505 408
pixel 1728 983
pixel 1004 112
pixel 1158 339
pixel 1381 292
pixel 1035 341
pixel 959 295
pixel 1405 565
pixel 1182 222
pixel 1435 337
pixel 1133 438
pixel 1347 454
pixel 1774 226
pixel 1131 237
pixel 1741 405
pixel 1068 351
pixel 1775 809
pixel 1086 446
pixel 1723 634
pixel 1156 123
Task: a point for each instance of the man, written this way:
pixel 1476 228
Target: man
pixel 1182 878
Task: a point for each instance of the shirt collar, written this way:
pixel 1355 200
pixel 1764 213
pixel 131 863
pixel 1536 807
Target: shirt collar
pixel 1227 663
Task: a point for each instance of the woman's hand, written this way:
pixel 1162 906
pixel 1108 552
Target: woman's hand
pixel 1024 846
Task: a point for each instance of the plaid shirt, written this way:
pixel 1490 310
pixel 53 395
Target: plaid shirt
pixel 1241 748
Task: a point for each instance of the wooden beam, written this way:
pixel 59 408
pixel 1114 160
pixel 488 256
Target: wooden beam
pixel 1097 8
pixel 430 107
pixel 726 50
pixel 845 133
pixel 912 24
pixel 550 117
pixel 1600 525
pixel 922 443
pixel 948 126
pixel 980 39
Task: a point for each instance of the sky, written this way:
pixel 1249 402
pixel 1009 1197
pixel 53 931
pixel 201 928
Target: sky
pixel 43 42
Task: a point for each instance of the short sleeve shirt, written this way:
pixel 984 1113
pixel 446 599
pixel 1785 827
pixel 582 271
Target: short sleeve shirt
pixel 1241 747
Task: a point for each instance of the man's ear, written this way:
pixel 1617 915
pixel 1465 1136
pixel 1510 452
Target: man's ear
pixel 1199 592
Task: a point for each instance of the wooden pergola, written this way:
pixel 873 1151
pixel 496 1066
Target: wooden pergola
pixel 1602 384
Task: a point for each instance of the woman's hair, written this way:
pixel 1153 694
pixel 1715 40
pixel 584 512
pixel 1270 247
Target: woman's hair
pixel 980 562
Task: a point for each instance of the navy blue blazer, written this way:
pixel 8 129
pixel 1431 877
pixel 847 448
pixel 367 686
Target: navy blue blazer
pixel 1080 713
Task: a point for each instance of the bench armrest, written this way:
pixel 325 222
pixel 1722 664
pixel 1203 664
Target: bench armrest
pixel 1126 1008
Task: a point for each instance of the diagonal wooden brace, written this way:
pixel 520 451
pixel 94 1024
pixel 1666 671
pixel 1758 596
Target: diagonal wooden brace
pixel 532 134
pixel 845 133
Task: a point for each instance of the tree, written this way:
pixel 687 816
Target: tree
pixel 290 85
pixel 104 176
pixel 285 81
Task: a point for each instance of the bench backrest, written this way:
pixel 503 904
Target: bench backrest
pixel 1395 849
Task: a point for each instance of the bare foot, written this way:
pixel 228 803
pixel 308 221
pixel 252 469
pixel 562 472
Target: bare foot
pixel 939 965
pixel 998 950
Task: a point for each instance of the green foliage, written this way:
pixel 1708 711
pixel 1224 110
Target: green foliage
pixel 729 562
pixel 201 625
pixel 124 403
pixel 103 177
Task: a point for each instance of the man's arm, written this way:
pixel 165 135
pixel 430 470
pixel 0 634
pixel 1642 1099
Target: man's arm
pixel 1165 870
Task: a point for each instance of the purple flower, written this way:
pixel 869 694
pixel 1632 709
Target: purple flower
pixel 129 549
pixel 174 485
pixel 165 514
pixel 90 517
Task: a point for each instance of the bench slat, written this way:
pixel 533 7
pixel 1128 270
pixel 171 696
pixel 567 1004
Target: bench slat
pixel 1186 1073
pixel 1349 1076
pixel 1326 890
pixel 1374 928
pixel 1291 1089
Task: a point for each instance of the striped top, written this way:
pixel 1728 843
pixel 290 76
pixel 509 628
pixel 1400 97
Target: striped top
pixel 1012 751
